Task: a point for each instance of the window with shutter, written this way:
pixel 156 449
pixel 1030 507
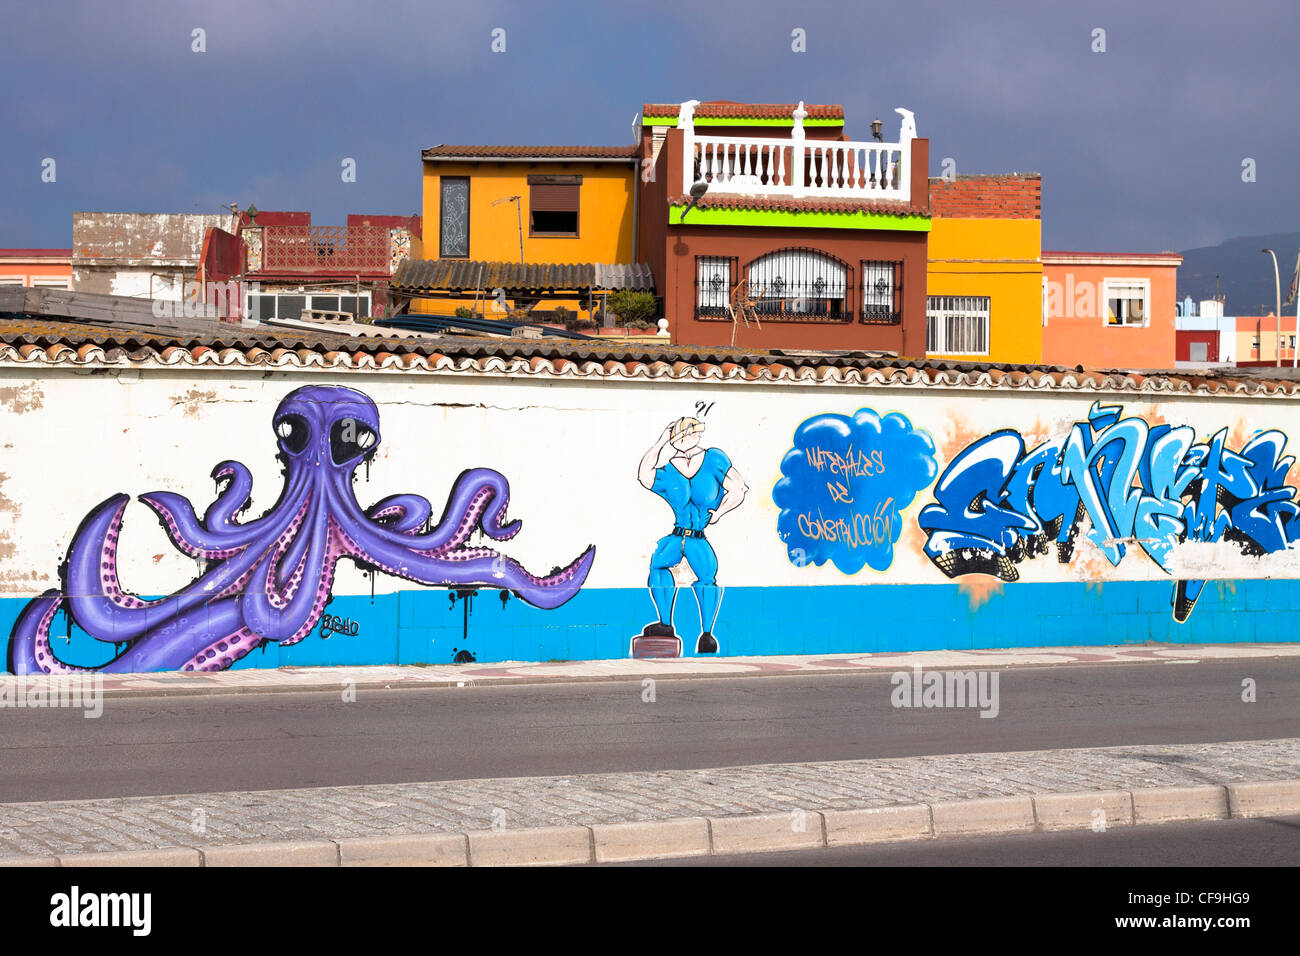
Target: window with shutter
pixel 553 205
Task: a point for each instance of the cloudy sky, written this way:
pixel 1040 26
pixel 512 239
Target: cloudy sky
pixel 1140 147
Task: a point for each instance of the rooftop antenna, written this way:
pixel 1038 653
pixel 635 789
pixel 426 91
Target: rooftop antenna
pixel 520 215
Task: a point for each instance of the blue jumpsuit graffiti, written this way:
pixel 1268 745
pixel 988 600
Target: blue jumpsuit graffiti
pixel 700 485
pixel 845 482
pixel 1149 485
pixel 692 500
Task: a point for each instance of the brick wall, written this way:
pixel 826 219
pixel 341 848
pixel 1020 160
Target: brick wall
pixel 1019 196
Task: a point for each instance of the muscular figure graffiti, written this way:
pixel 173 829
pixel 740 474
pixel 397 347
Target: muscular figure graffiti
pixel 1150 485
pixel 700 485
pixel 268 580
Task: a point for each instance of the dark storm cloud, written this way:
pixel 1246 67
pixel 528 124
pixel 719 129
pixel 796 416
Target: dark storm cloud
pixel 1140 147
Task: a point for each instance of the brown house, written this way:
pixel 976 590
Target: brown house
pixel 798 237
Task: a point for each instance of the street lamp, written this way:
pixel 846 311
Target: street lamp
pixel 875 129
pixel 1277 310
pixel 698 189
pixel 519 215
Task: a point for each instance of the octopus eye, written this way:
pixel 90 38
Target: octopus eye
pixel 350 439
pixel 294 433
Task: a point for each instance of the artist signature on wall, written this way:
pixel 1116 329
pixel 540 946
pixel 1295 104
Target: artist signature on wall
pixel 333 624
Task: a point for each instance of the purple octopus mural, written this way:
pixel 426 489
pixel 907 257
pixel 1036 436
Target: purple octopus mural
pixel 269 579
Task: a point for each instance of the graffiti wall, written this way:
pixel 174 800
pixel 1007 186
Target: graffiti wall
pixel 164 521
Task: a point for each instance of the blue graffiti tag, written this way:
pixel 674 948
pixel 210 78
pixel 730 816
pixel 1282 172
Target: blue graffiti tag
pixel 845 482
pixel 1150 485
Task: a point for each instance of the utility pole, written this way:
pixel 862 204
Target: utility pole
pixel 1293 295
pixel 1277 287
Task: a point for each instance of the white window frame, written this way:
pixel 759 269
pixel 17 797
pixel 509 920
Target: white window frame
pixel 939 308
pixel 278 294
pixel 1119 283
pixel 50 282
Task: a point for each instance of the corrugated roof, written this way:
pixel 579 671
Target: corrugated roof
pixel 428 275
pixel 726 109
pixel 638 276
pixel 786 204
pixel 531 152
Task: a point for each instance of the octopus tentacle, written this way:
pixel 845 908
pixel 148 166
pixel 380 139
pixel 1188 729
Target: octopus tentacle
pixel 217 537
pixel 409 512
pixel 277 615
pixel 95 595
pixel 467 566
pixel 467 508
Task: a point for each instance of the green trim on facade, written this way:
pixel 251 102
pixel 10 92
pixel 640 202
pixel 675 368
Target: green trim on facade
pixel 737 121
pixel 801 220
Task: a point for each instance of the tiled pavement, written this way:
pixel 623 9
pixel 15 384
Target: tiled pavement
pixel 137 823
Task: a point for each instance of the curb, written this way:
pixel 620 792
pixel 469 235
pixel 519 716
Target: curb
pixel 335 685
pixel 795 829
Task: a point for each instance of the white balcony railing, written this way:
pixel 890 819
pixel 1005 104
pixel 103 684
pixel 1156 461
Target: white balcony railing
pixel 798 167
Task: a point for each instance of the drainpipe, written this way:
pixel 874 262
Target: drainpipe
pixel 636 206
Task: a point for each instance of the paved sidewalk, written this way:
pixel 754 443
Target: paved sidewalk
pixel 589 800
pixel 269 680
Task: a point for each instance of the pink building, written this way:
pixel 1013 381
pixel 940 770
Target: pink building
pixel 1109 309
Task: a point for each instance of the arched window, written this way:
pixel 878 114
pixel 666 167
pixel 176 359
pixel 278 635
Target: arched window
pixel 800 284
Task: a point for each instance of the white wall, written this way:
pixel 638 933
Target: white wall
pixel 570 450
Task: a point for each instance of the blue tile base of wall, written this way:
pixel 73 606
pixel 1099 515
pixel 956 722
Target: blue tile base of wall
pixel 426 627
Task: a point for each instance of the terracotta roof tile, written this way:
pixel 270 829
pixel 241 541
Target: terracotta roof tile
pixel 785 204
pixel 52 342
pixel 532 152
pixel 727 109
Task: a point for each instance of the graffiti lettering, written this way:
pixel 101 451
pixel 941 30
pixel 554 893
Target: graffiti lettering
pixel 857 531
pixel 851 464
pixel 333 624
pixel 838 501
pixel 1152 486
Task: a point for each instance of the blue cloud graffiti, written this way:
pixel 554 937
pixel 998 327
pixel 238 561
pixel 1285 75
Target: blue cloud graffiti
pixel 1150 485
pixel 845 482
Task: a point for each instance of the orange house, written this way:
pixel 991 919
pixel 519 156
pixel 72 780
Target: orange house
pixel 47 268
pixel 1109 309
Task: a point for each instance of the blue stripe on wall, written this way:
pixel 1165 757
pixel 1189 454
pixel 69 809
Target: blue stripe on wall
pixel 425 627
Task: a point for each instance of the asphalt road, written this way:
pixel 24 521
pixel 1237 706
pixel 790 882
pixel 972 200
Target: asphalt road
pixel 1250 843
pixel 165 745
